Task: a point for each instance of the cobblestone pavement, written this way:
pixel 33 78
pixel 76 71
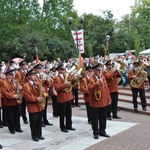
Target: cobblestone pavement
pixel 129 133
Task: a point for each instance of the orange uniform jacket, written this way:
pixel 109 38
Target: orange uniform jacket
pixel 130 77
pixel 8 91
pixel 105 96
pixel 84 89
pixel 1 84
pixel 21 77
pixel 59 85
pixel 112 80
pixel 31 95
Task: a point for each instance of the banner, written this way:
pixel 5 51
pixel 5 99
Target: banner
pixel 78 40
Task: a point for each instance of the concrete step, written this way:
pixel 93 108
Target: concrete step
pixel 129 107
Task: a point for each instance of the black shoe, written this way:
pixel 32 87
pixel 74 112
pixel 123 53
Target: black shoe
pixel 48 123
pixel 41 137
pixel 12 131
pixel 73 129
pixel 109 118
pixel 78 106
pixel 43 125
pixel 116 117
pixel 64 130
pixel 144 109
pixel 96 136
pixel 36 139
pixel 1 125
pixel 89 122
pixel 72 105
pixel 105 135
pixel 1 146
pixel 19 131
pixel 25 122
pixel 5 124
pixel 135 109
pixel 55 115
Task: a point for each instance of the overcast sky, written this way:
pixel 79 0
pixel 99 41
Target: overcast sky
pixel 118 7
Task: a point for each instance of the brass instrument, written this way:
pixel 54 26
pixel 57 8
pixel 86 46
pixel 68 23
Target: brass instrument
pixel 18 91
pixel 97 93
pixel 68 78
pixel 141 74
pixel 121 66
pixel 42 94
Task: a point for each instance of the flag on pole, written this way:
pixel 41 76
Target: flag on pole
pixel 37 56
pixel 78 39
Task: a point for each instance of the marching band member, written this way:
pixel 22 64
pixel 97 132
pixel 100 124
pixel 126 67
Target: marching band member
pixel 84 89
pixel 53 93
pixel 135 90
pixel 64 98
pixel 20 76
pixel 1 83
pixel 34 99
pixel 112 75
pixel 11 98
pixel 46 85
pixel 99 100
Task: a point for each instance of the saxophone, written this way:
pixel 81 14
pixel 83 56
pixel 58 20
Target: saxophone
pixel 42 94
pixel 18 91
pixel 69 78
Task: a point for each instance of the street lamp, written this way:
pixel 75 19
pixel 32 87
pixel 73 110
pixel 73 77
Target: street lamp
pixel 106 49
pixel 80 21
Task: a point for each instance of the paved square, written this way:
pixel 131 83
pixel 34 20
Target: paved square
pixel 55 139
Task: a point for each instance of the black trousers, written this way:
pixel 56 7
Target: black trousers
pixel 99 116
pixel 4 113
pixel 112 108
pixel 0 117
pixel 44 112
pixel 141 92
pixel 65 116
pixel 55 105
pixel 13 117
pixel 23 109
pixel 75 95
pixel 88 110
pixel 35 124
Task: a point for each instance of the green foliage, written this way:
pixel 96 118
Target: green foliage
pixel 24 25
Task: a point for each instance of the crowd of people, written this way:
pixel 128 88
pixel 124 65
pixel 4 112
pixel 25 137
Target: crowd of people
pixel 31 85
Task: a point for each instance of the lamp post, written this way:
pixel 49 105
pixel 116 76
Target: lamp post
pixel 80 21
pixel 106 49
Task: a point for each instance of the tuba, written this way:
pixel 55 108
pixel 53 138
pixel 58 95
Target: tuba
pixel 141 74
pixel 68 77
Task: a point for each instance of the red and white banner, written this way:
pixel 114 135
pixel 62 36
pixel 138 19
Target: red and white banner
pixel 78 39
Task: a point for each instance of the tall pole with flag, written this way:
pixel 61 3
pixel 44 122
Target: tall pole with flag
pixel 78 39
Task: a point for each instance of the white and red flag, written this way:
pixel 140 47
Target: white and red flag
pixel 78 39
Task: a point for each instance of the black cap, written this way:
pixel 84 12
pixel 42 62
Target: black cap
pixel 107 62
pixel 60 64
pixel 53 68
pixel 9 70
pixel 88 67
pixel 22 63
pixel 31 71
pixel 96 64
pixel 38 66
pixel 136 62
